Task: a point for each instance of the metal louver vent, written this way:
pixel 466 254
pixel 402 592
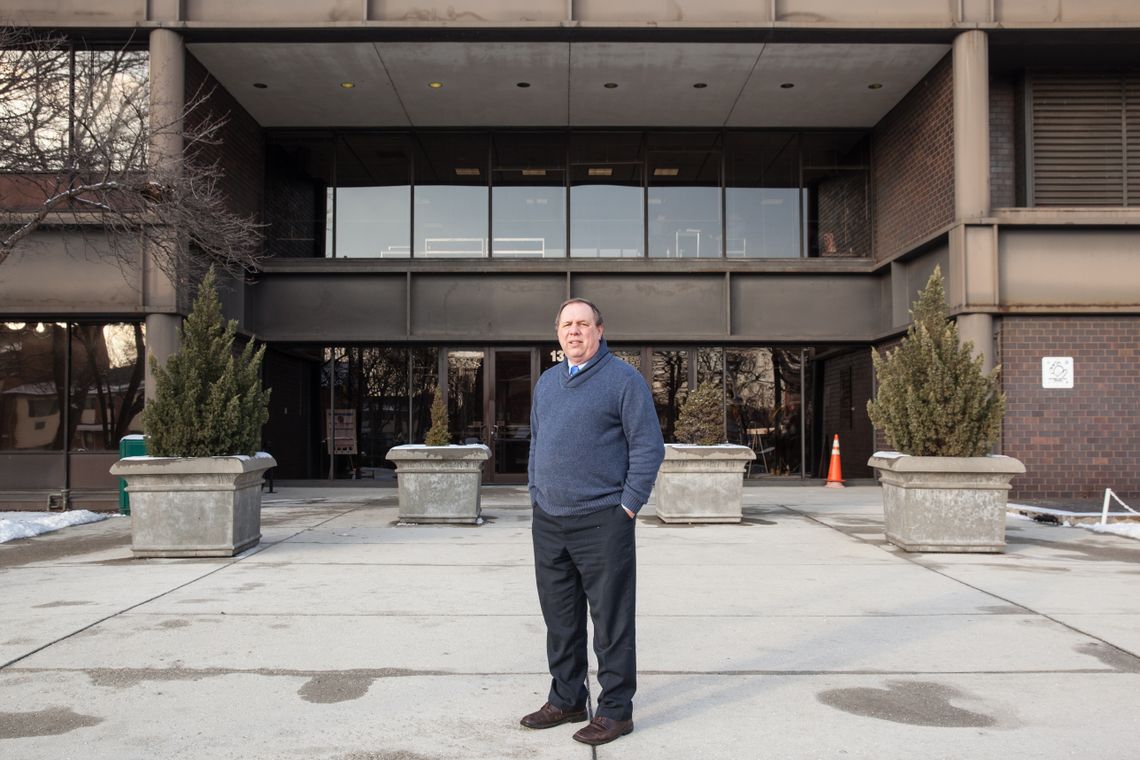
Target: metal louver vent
pixel 1083 125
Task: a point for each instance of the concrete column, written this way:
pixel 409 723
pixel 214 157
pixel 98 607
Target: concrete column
pixel 971 125
pixel 979 328
pixel 167 101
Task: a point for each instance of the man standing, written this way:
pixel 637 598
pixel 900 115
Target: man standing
pixel 594 452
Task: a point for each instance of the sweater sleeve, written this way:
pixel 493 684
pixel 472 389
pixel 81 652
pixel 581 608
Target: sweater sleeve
pixel 644 441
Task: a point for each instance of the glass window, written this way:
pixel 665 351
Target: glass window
pixel 670 387
pixel 765 406
pixel 835 188
pixel 425 377
pixel 684 196
pixel 32 361
pixel 373 201
pixel 465 396
pixel 107 387
pixel 299 197
pixel 762 198
pixel 528 197
pixel 607 195
pixel 451 195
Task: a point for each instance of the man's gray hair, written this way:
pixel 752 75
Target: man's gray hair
pixel 597 313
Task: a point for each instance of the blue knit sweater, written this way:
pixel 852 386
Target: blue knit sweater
pixel 595 441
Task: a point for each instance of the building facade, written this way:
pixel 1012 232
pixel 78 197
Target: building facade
pixel 753 193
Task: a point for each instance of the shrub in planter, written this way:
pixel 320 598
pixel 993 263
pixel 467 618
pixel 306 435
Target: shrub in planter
pixel 942 413
pixel 199 493
pixel 702 478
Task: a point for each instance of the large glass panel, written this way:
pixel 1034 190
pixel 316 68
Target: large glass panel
pixel 684 196
pixel 451 195
pixel 373 196
pixel 32 385
pixel 762 197
pixel 107 362
pixel 606 194
pixel 670 387
pixel 465 396
pixel 835 179
pixel 382 404
pixel 425 377
pixel 513 385
pixel 765 406
pixel 630 356
pixel 298 196
pixel 528 197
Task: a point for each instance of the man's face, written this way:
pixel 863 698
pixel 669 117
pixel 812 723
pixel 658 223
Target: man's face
pixel 577 333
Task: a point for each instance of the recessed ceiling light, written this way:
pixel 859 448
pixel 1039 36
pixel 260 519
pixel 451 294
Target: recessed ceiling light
pixel 466 172
pixel 700 85
pixel 664 172
pixel 600 171
pixel 260 85
pixel 787 86
pixel 348 85
pixel 435 85
pixel 874 86
pixel 522 84
pixel 534 172
pixel 610 85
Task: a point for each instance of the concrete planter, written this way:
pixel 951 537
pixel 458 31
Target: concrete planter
pixel 194 506
pixel 945 504
pixel 439 484
pixel 701 484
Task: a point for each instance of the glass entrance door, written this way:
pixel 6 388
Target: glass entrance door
pixel 512 377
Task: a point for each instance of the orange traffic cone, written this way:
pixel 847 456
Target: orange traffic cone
pixel 834 471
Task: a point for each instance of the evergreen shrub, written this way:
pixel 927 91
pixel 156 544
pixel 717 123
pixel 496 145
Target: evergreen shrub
pixel 701 418
pixel 933 399
pixel 437 434
pixel 207 401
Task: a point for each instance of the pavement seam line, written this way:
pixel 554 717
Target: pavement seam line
pixel 231 563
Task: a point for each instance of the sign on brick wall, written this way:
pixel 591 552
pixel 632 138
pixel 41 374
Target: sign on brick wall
pixel 1057 372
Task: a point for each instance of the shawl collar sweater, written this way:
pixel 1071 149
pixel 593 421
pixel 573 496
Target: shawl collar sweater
pixel 595 438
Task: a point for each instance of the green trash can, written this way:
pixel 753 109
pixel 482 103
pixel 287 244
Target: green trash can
pixel 129 446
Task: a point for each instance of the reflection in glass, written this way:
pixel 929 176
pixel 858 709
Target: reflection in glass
pixel 106 385
pixel 670 387
pixel 606 195
pixel 762 198
pixel 451 196
pixel 528 201
pixel 425 377
pixel 373 196
pixel 513 385
pixel 835 176
pixel 299 196
pixel 32 361
pixel 684 199
pixel 630 357
pixel 764 406
pixel 465 396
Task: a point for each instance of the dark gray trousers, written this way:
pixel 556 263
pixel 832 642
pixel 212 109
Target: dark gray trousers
pixel 580 561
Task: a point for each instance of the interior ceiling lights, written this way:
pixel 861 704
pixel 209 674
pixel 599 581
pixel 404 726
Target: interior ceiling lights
pixel 348 85
pixel 466 172
pixel 600 171
pixel 662 171
pixel 435 85
pixel 534 172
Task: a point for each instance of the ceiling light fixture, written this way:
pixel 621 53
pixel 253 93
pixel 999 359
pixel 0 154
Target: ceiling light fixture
pixel 466 172
pixel 700 85
pixel 522 84
pixel 534 172
pixel 348 85
pixel 610 85
pixel 875 86
pixel 260 85
pixel 665 172
pixel 787 86
pixel 600 171
pixel 435 85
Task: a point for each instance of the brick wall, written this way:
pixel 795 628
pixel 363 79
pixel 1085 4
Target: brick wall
pixel 1003 136
pixel 845 411
pixel 913 164
pixel 241 152
pixel 1074 442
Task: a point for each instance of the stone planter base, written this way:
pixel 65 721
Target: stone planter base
pixel 945 504
pixel 701 484
pixel 194 507
pixel 439 484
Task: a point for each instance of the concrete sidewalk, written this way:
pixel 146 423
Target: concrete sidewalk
pixel 797 634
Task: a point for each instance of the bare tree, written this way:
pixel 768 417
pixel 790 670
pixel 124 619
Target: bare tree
pixel 76 138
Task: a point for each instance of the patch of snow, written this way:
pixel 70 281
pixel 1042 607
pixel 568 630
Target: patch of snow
pixel 889 454
pixel 1128 530
pixel 15 525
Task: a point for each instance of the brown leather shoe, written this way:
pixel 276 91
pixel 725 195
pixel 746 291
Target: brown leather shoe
pixel 603 730
pixel 549 716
